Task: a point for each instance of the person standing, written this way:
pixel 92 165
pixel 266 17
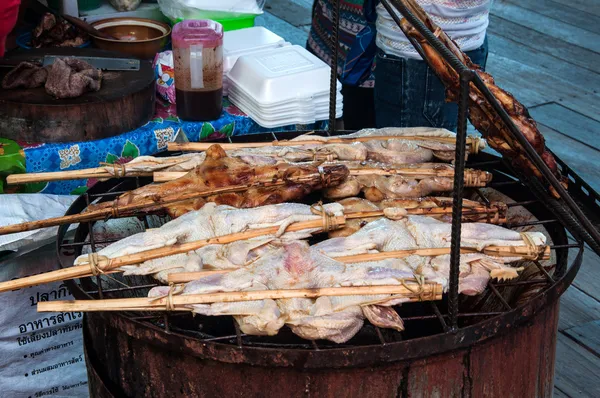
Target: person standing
pixel 357 78
pixel 408 93
pixel 9 11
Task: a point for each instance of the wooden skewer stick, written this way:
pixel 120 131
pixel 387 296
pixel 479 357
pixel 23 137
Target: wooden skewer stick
pixel 472 142
pixel 97 172
pixel 473 178
pixel 496 251
pixel 110 265
pixel 129 209
pixel 411 290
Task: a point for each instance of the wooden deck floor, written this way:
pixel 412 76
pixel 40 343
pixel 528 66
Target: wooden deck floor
pixel 547 53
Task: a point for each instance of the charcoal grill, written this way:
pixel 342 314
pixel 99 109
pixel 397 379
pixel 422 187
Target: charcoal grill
pixel 499 343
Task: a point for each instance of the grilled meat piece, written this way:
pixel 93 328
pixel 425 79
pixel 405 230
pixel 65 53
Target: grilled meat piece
pixel 482 115
pixel 220 171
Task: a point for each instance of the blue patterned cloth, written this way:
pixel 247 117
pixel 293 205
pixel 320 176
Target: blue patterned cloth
pixel 149 139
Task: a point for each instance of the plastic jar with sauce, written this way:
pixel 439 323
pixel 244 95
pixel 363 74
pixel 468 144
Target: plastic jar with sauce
pixel 198 59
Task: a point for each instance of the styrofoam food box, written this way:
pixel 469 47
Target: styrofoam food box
pixel 282 75
pixel 243 104
pixel 279 122
pixel 318 103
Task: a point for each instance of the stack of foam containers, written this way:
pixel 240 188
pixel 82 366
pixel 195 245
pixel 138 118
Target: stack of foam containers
pixel 246 41
pixel 282 86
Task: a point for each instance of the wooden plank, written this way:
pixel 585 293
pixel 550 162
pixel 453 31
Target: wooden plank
pixel 532 86
pixel 588 278
pixel 286 30
pixel 587 335
pixel 575 154
pixel 543 43
pixel 564 13
pixel 559 394
pixel 551 27
pixel 568 122
pixel 583 78
pixel 577 369
pixel 588 6
pixel 291 12
pixel 577 308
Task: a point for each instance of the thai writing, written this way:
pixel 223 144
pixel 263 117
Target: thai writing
pixel 81 383
pixel 58 365
pixel 48 321
pixel 47 349
pixel 34 337
pixel 52 391
pixel 61 292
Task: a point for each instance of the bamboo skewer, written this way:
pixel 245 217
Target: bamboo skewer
pixel 496 251
pixel 145 205
pixel 411 290
pixel 472 142
pixel 97 172
pixel 473 178
pixel 105 265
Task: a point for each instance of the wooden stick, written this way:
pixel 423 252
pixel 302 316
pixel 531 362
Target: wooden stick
pixel 110 265
pixel 97 172
pixel 203 146
pixel 411 290
pixel 144 205
pixel 496 251
pixel 475 178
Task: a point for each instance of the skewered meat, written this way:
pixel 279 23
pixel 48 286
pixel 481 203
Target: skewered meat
pixel 482 115
pixel 394 151
pixel 219 171
pixel 380 187
pixel 209 222
pixel 296 265
pixel 494 213
pixel 398 150
pixel 426 232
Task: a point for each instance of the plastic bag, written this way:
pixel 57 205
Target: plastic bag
pixel 209 9
pixel 125 5
pixel 164 73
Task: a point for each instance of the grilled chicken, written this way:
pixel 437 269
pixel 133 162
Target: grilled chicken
pixel 220 171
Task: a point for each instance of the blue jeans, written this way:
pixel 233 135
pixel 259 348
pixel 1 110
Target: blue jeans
pixel 409 94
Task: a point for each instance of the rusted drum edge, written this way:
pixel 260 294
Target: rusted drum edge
pixel 519 363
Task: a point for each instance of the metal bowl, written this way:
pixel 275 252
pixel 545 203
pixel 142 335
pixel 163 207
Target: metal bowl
pixel 137 37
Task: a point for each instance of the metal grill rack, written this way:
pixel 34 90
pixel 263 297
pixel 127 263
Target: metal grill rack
pixel 423 319
pixel 452 323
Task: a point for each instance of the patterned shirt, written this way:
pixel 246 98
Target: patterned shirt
pixel 352 21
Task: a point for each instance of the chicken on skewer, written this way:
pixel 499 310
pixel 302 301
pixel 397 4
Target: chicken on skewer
pixel 218 171
pixel 211 221
pixel 436 207
pixel 426 179
pixel 295 265
pixel 421 147
pixel 481 112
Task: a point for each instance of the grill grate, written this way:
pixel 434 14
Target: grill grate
pixel 422 319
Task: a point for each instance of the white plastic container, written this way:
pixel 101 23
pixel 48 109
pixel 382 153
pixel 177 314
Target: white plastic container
pixel 282 75
pixel 249 40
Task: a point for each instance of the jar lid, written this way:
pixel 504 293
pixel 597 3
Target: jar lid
pixel 192 32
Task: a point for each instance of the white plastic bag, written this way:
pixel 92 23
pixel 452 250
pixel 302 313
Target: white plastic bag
pixel 210 9
pixel 125 5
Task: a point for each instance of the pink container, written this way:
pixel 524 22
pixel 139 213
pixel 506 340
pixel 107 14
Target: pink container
pixel 198 59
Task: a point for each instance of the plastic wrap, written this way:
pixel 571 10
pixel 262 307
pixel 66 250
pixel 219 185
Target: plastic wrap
pixel 209 9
